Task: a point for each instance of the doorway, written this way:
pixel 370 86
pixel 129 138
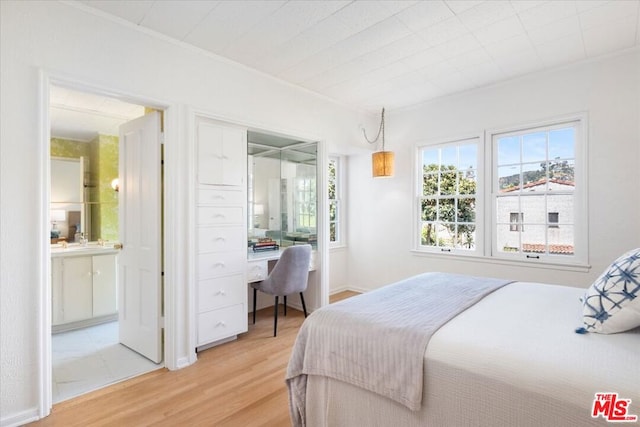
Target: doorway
pixel 85 233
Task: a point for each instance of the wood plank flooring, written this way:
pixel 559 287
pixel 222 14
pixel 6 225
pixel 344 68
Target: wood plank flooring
pixel 240 383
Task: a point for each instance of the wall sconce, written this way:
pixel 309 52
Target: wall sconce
pixel 382 162
pixel 115 185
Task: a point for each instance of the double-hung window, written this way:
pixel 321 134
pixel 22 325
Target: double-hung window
pixel 535 176
pixel 515 194
pixel 334 187
pixel 305 203
pixel 448 196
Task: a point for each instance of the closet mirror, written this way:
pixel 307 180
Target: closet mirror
pixel 282 192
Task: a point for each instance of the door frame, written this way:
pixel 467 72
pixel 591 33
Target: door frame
pixel 172 229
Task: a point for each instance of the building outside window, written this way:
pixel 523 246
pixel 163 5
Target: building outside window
pixel 535 176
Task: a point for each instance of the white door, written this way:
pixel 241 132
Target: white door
pixel 139 267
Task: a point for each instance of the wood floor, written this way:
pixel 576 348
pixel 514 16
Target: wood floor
pixel 240 383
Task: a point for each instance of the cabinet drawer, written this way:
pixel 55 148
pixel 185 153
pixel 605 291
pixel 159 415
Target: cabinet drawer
pixel 217 324
pixel 221 292
pixel 220 197
pixel 257 271
pixel 218 215
pixel 221 239
pixel 221 264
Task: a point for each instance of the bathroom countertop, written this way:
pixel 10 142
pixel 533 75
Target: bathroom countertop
pixel 78 250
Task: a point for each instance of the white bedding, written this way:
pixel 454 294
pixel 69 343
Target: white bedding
pixel 513 359
pixel 378 340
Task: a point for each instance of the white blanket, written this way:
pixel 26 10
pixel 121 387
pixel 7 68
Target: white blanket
pixel 377 340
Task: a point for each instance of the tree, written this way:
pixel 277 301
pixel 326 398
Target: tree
pixel 333 208
pixel 449 201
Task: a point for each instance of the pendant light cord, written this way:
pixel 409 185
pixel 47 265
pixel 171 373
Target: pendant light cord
pixel 380 131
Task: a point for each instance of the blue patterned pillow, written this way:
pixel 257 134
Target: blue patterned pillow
pixel 612 302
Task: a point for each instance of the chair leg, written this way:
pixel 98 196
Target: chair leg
pixel 255 292
pixel 304 307
pixel 285 305
pixel 275 318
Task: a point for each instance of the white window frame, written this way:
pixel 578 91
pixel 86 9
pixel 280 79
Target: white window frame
pixel 339 199
pixel 486 215
pixel 478 139
pixel 302 202
pixel 580 256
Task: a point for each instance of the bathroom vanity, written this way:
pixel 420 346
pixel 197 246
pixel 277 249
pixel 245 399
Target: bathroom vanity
pixel 84 286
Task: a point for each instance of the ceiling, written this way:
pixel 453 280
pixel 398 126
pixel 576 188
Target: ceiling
pixel 81 116
pixel 370 54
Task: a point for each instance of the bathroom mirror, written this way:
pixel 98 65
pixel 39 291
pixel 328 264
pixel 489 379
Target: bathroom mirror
pixel 282 190
pixel 83 201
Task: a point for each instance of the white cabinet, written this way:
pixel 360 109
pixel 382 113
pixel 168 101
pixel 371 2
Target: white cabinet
pixel 83 290
pixel 221 232
pixel 221 150
pixel 104 297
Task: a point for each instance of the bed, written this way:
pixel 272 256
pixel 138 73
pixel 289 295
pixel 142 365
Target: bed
pixel 511 358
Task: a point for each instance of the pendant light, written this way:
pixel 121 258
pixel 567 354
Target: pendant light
pixel 381 161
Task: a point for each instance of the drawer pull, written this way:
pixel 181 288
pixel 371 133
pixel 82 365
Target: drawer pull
pixel 219 264
pixel 219 239
pixel 219 215
pixel 221 323
pixel 221 292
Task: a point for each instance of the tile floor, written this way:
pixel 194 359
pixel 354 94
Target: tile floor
pixel 91 358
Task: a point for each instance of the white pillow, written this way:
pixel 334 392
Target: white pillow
pixel 612 302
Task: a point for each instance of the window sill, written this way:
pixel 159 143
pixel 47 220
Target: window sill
pixel 581 268
pixel 337 247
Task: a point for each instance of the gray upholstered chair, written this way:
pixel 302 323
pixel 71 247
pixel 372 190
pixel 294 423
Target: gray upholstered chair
pixel 289 276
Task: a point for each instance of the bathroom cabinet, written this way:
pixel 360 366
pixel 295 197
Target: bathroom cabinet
pixel 83 290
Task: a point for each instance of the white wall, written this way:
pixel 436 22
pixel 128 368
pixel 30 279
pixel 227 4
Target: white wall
pixel 380 214
pixel 67 42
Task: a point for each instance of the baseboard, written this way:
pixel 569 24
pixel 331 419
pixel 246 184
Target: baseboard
pixel 81 324
pixel 183 362
pixel 338 290
pixel 348 288
pixel 20 419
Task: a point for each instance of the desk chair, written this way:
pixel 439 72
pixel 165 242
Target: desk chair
pixel 289 276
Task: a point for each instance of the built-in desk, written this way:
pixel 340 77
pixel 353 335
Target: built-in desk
pixel 259 264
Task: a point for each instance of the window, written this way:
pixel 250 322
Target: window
pixel 529 186
pixel 447 200
pixel 334 201
pixel 304 204
pixel 516 219
pixel 534 174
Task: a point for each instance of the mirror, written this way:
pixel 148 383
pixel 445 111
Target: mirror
pixel 282 192
pixel 84 163
pixel 83 202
